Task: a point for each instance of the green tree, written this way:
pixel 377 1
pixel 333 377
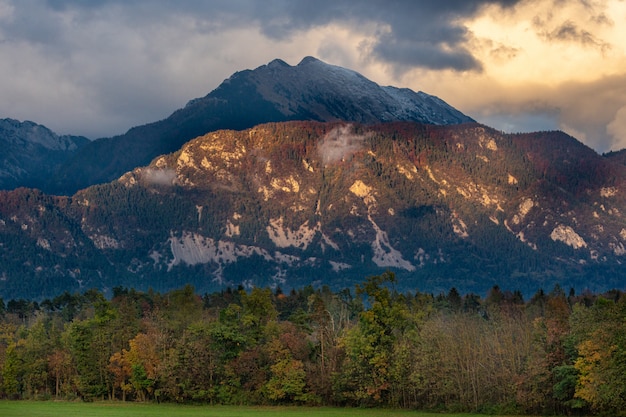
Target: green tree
pixel 12 372
pixel 181 308
pixel 258 311
pixel 227 340
pixel 192 373
pixel 601 361
pixel 287 379
pixel 35 351
pixel 370 344
pixel 140 381
pixel 90 345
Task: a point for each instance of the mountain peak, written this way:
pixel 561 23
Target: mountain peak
pixel 307 60
pixel 315 90
pixel 277 63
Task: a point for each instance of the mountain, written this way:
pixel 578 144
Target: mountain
pixel 297 203
pixel 312 90
pixel 31 153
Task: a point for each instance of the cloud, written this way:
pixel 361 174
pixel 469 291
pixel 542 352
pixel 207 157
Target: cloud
pixel 409 34
pixel 617 129
pixel 569 31
pixel 590 107
pixel 514 121
pixel 407 54
pixel 339 144
pixel 158 176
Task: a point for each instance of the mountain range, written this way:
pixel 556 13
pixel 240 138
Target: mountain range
pixel 350 180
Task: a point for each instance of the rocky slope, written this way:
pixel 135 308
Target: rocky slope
pixel 311 90
pixel 298 203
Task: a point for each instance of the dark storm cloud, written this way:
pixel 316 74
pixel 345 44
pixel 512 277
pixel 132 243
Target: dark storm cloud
pixel 417 33
pixel 413 33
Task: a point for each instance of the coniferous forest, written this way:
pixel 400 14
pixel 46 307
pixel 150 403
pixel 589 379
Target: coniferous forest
pixel 556 353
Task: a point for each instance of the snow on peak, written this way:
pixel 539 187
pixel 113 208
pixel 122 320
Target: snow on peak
pixel 309 60
pixel 316 90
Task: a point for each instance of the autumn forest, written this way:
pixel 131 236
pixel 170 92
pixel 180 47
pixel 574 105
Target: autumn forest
pixel 556 353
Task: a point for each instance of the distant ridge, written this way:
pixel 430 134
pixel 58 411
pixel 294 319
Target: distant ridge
pixel 312 90
pixel 31 153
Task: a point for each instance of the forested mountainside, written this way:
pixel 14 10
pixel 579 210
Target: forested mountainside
pixel 556 353
pixel 617 156
pixel 298 203
pixel 311 90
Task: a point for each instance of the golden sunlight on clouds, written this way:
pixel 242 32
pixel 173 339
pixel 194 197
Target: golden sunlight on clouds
pixel 551 42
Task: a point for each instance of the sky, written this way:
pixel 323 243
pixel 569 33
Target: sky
pixel 99 67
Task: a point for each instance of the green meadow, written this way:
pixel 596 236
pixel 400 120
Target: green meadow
pixel 121 409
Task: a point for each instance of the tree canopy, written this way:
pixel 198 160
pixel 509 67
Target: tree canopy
pixel 555 353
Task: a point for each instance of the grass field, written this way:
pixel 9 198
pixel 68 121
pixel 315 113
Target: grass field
pixel 119 409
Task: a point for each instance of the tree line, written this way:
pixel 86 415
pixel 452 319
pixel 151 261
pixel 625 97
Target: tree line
pixel 556 353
